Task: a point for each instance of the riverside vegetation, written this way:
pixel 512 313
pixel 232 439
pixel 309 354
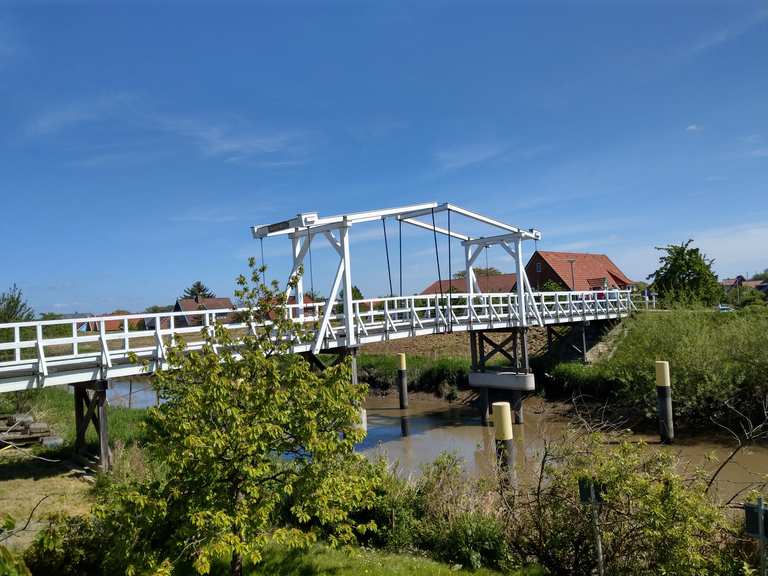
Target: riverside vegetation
pixel 267 480
pixel 718 363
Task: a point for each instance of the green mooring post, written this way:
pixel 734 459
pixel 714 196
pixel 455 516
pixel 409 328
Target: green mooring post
pixel 402 382
pixel 664 402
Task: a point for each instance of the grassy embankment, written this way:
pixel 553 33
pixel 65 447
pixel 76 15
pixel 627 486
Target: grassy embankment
pixel 321 561
pixel 716 360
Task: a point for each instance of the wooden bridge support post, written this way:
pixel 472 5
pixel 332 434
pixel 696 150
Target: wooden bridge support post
pixel 584 342
pixel 549 339
pixel 92 409
pixel 477 351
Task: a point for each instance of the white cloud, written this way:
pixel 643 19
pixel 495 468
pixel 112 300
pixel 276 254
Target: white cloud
pixel 735 248
pixel 463 155
pixel 759 153
pixel 727 33
pixel 694 128
pixel 77 113
pixel 219 140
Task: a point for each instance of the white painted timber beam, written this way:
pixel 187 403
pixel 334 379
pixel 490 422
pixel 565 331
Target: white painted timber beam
pixel 437 229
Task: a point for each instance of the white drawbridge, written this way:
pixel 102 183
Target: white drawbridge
pixel 57 352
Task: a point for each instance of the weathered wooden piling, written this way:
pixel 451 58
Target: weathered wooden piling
pixel 502 424
pixel 517 406
pixel 402 382
pixel 664 402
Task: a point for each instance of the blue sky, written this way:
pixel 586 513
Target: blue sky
pixel 139 142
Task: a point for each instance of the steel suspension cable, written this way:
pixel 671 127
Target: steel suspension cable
pixel 386 249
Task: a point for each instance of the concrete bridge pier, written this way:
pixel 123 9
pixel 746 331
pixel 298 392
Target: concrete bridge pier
pixel 91 407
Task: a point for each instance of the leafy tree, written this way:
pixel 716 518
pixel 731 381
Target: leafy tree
pixel 685 276
pixel 198 290
pixel 13 307
pixel 156 309
pixel 744 296
pixel 490 271
pixel 761 275
pixel 551 286
pixel 258 448
pixel 356 293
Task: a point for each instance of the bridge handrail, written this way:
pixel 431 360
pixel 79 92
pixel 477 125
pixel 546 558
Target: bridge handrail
pixel 386 315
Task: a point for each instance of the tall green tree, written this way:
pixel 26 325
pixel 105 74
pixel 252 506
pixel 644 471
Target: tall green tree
pixel 198 290
pixel 257 447
pixel 685 276
pixel 13 307
pixel 761 275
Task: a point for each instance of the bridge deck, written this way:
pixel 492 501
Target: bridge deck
pixel 57 352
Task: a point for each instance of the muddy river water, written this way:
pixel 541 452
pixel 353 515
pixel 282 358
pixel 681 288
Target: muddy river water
pixel 419 434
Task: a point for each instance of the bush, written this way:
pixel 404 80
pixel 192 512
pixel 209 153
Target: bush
pixel 444 514
pixel 652 521
pixel 69 546
pixel 715 358
pixel 443 377
pixel 11 564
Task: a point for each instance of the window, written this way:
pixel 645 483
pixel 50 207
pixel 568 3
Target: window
pixel 538 266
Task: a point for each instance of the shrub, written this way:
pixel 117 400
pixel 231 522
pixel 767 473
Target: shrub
pixel 443 377
pixel 652 521
pixel 11 564
pixel 714 358
pixel 68 546
pixel 444 513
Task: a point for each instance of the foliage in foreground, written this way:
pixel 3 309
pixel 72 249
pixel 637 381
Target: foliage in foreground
pixel 651 520
pixel 715 360
pixel 256 448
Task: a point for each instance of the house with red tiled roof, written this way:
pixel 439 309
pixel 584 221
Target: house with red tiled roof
pixel 729 284
pixel 197 303
pixel 575 271
pixel 493 283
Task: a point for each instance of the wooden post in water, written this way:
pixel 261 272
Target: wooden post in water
pixel 664 402
pixel 402 382
pixel 502 424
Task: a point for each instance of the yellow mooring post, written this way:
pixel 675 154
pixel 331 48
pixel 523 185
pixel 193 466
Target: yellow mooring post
pixel 664 402
pixel 502 424
pixel 402 382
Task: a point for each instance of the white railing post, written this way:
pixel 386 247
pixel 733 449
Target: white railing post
pixel 348 323
pixel 75 350
pixel 17 341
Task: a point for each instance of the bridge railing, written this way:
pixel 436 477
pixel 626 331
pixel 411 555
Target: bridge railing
pixel 31 349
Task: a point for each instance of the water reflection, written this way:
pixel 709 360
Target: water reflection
pixel 419 434
pixel 136 392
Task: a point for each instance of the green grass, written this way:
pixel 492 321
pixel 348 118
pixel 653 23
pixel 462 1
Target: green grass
pixel 321 561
